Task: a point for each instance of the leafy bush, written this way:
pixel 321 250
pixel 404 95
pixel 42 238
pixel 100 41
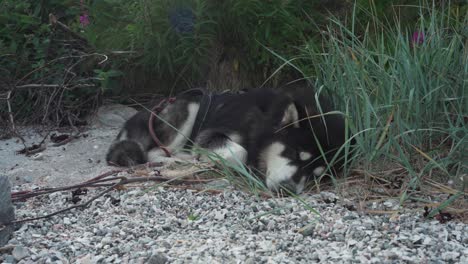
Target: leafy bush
pixel 42 66
pixel 25 34
pixel 186 39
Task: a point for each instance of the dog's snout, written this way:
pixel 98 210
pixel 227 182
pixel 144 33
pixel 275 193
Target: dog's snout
pixel 288 186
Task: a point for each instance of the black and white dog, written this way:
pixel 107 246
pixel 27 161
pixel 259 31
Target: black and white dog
pixel 245 127
pixel 291 156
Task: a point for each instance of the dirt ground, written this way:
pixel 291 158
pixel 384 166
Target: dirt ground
pixel 74 162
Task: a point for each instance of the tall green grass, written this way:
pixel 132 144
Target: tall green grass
pixel 407 101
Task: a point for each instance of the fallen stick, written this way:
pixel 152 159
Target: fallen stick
pixel 21 195
pixel 122 181
pixel 102 180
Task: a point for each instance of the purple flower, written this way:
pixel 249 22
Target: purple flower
pixel 84 19
pixel 418 38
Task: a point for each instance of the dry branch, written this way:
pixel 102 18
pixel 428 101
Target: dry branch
pixel 106 179
pixel 55 23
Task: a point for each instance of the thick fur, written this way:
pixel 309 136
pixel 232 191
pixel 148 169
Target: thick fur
pixel 292 156
pixel 239 122
pixel 173 127
pixel 329 129
pixel 284 158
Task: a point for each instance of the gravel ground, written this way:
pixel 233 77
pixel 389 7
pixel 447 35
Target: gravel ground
pixel 158 225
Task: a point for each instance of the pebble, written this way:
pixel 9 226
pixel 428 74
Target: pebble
pixel 66 221
pixel 157 258
pixel 9 259
pixel 20 253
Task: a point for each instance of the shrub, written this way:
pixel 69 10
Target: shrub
pixel 186 40
pixel 42 67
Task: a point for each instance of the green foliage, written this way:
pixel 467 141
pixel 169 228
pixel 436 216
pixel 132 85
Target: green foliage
pixel 106 78
pixel 33 53
pixel 143 31
pixel 150 34
pixel 282 26
pixel 25 33
pixel 407 101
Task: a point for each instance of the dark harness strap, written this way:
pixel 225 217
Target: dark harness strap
pixel 205 104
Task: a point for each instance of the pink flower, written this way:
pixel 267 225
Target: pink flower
pixel 418 38
pixel 84 19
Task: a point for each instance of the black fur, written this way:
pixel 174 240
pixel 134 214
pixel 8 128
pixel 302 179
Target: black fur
pixel 134 140
pixel 250 115
pixel 126 153
pixel 329 129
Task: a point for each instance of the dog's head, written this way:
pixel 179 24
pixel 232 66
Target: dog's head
pixel 289 159
pixel 126 153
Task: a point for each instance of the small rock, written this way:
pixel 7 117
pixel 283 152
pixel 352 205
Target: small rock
pixel 20 253
pixel 85 259
pixel 391 204
pixel 38 156
pixel 157 258
pixel 450 255
pixel 27 178
pixel 106 241
pixel 66 221
pixel 307 230
pixel 9 259
pixel 219 215
pixel 349 217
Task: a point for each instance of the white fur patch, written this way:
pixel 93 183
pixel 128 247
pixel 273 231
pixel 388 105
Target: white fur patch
pixel 235 137
pixel 158 155
pixel 278 169
pixel 186 129
pixel 301 185
pixel 232 152
pixel 319 170
pixel 304 155
pixel 290 116
pixel 123 135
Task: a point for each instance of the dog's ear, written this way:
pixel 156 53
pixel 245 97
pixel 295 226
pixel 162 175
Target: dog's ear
pixel 290 116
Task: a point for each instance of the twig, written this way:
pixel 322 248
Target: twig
pixel 65 141
pixel 12 120
pixel 17 196
pixel 122 181
pixel 68 208
pixel 10 113
pixel 34 151
pixel 37 85
pixel 33 85
pixel 54 22
pixel 21 195
pixel 103 180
